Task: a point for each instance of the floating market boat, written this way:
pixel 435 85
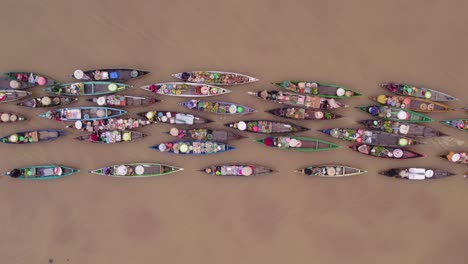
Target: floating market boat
pixel 48 101
pixel 237 170
pixel 385 152
pixel 116 75
pixel 456 157
pixel 320 89
pixel 195 147
pixel 420 92
pixel 185 89
pixel 111 136
pixel 394 114
pixel 176 118
pixel 266 127
pixel 303 113
pixel 41 172
pixel 8 117
pixel 331 171
pixel 137 170
pixel 411 103
pixel 402 128
pixel 122 100
pixel 83 113
pixel 110 124
pixel 220 108
pixel 461 124
pixel 416 173
pixel 370 137
pixel 12 95
pixel 214 77
pixel 297 143
pixel 86 88
pixel 217 135
pixel 23 80
pixel 298 100
pixel 35 136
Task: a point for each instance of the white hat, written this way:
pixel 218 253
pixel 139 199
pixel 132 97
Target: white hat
pixel 402 115
pixel 101 100
pixel 15 84
pixel 247 171
pixel 404 129
pixel 456 157
pixel 5 117
pixel 121 170
pixel 429 173
pixel 46 100
pixel 162 147
pixel 78 124
pixel 174 132
pixel 100 113
pixel 139 170
pixel 241 125
pixel 340 91
pixel 398 153
pixel 232 109
pixel 78 74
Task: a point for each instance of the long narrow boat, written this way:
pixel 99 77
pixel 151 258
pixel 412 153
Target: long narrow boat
pixel 122 100
pixel 116 75
pixel 411 103
pixel 416 173
pixel 321 89
pixel 12 95
pixel 111 136
pixel 266 127
pixel 86 88
pixel 185 89
pixel 23 80
pixel 48 101
pixel 461 124
pixel 137 170
pixel 237 170
pixel 331 171
pixel 402 128
pixel 394 114
pixel 194 147
pixel 220 108
pixel 456 157
pixel 41 172
pixel 385 152
pixel 298 100
pixel 120 124
pixel 217 135
pixel 297 143
pixel 83 113
pixel 298 113
pixel 421 92
pixel 370 137
pixel 8 117
pixel 35 136
pixel 176 118
pixel 214 77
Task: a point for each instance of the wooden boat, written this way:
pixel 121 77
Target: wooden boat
pixel 48 101
pixel 456 157
pixel 421 92
pixel 185 89
pixel 331 171
pixel 266 127
pixel 298 100
pixel 111 136
pixel 214 77
pixel 110 124
pixel 86 88
pixel 35 136
pixel 12 95
pixel 303 113
pixel 370 137
pixel 83 113
pixel 41 172
pixel 320 89
pixel 385 152
pixel 217 135
pixel 416 173
pixel 122 100
pixel 194 147
pixel 8 117
pixel 394 114
pixel 237 170
pixel 220 108
pixel 116 75
pixel 297 143
pixel 411 103
pixel 24 80
pixel 137 170
pixel 402 128
pixel 461 124
pixel 176 118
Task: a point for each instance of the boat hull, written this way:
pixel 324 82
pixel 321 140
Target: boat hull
pixel 420 92
pixel 243 170
pixel 298 113
pixel 175 118
pixel 320 89
pixel 217 135
pixel 416 173
pixel 331 171
pixel 86 88
pixel 111 137
pixel 115 75
pixel 220 108
pixel 194 147
pixel 402 128
pixel 35 136
pixel 215 77
pixel 395 114
pixel 44 172
pixel 297 143
pixel 9 117
pixel 85 113
pixel 266 127
pixel 385 152
pixel 298 100
pixel 46 101
pixel 12 95
pixel 184 89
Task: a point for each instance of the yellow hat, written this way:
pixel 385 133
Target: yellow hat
pixel 382 99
